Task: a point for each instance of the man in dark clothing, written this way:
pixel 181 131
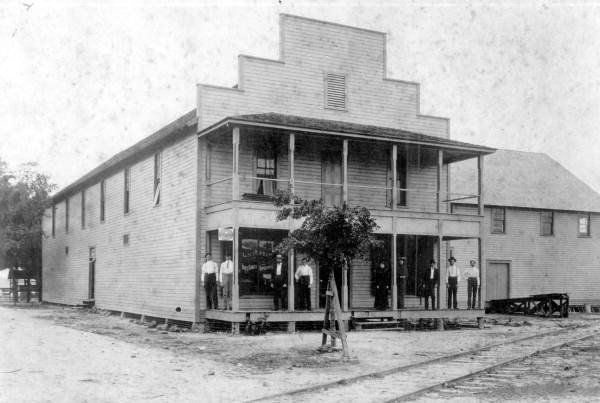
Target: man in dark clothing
pixel 279 282
pixel 431 278
pixel 381 282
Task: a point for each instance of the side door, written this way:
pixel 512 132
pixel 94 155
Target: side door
pixel 497 280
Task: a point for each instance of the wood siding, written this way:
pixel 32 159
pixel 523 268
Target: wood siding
pixel 539 264
pixel 152 275
pixel 295 84
pixel 367 170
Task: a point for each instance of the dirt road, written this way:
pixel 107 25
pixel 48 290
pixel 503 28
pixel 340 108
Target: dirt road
pixel 54 354
pixel 44 362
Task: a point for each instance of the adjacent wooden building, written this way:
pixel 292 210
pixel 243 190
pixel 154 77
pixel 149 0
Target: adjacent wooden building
pixel 541 228
pixel 325 120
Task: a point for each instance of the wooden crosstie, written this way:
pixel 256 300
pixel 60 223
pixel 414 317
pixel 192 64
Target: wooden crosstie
pixel 333 316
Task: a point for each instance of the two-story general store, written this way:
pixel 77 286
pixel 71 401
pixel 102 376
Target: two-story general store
pixel 324 120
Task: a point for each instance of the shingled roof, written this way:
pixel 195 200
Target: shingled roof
pixel 525 179
pixel 181 127
pixel 325 126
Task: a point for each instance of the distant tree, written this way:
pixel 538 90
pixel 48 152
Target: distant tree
pixel 24 197
pixel 331 236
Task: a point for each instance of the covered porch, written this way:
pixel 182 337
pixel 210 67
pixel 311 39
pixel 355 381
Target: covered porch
pixel 401 177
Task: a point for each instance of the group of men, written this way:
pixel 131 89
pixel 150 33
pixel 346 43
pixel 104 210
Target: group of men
pixel 453 277
pixel 279 280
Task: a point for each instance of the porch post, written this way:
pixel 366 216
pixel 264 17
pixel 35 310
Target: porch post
pixel 235 183
pixel 235 190
pixel 440 163
pixel 345 171
pixel 394 265
pixel 291 258
pixel 440 260
pixel 482 270
pixel 346 267
pixel 394 184
pixel 480 183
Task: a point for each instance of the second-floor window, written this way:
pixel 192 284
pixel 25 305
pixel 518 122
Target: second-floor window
pixel 102 200
pixel 584 225
pixel 82 209
pixel 547 222
pixel 126 184
pixel 157 177
pixel 66 215
pixel 266 170
pixel 498 221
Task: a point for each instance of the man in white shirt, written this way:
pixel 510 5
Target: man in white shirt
pixel 209 280
pixel 279 282
pixel 305 276
pixel 226 280
pixel 452 279
pixel 472 275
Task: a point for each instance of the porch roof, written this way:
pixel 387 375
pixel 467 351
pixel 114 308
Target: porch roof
pixel 336 127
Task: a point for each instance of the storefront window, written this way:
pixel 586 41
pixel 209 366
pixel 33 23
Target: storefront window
pixel 257 256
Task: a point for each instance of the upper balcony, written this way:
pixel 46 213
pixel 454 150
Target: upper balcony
pixel 386 170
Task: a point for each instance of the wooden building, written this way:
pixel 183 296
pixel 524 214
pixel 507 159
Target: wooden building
pixel 541 228
pixel 325 120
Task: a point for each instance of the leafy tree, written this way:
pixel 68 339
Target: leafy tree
pixel 331 236
pixel 24 196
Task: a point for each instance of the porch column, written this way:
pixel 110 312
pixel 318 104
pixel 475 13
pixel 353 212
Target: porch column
pixel 440 282
pixel 345 171
pixel 291 258
pixel 480 183
pixel 394 189
pixel 482 270
pixel 346 267
pixel 235 183
pixel 394 266
pixel 235 195
pixel 440 164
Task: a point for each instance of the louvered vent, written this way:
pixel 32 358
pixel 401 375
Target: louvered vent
pixel 335 91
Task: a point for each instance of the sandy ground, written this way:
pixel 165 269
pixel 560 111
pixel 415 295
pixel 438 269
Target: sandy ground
pixel 54 354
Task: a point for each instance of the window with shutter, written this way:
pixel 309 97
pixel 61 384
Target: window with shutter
pixel 498 221
pixel 335 91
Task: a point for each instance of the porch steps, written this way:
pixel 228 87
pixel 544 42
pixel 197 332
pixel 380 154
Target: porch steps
pixel 88 303
pixel 375 323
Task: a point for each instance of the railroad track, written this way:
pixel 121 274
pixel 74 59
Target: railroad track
pixel 409 382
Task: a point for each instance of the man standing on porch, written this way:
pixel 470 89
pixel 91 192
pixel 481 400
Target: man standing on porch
pixel 226 280
pixel 209 280
pixel 452 279
pixel 305 276
pixel 279 282
pixel 472 275
pixel 432 277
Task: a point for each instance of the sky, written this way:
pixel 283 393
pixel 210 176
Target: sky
pixel 82 80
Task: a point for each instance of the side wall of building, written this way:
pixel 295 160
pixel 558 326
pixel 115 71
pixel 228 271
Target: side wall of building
pixel 563 262
pixel 155 273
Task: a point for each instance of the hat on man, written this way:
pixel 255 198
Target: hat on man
pixel 452 259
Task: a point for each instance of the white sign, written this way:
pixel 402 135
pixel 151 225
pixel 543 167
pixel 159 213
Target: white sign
pixel 226 234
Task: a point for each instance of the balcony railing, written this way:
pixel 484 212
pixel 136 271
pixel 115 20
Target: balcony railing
pixel 260 189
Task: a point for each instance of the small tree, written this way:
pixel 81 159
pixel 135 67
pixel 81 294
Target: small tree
pixel 24 196
pixel 331 236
